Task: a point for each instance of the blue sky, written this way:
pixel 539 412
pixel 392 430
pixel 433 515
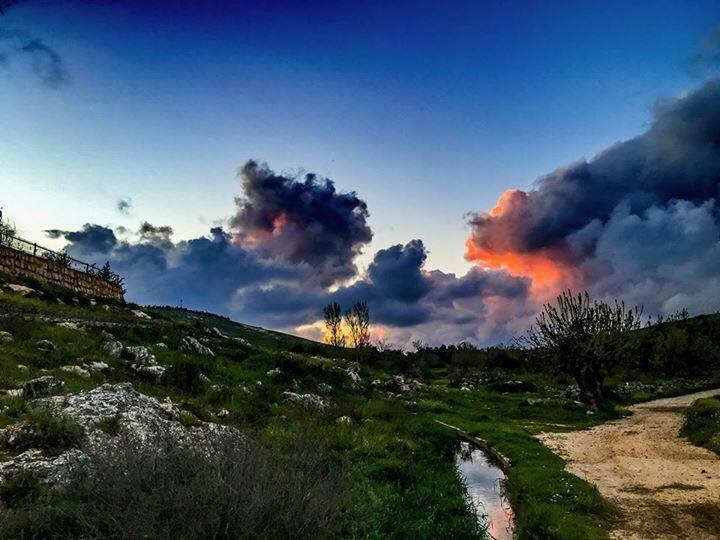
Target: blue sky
pixel 428 111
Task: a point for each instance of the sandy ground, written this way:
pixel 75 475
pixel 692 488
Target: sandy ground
pixel 663 486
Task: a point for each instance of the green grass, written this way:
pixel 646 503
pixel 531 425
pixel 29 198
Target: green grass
pixel 397 462
pixel 702 423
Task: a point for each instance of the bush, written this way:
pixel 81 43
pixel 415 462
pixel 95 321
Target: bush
pixel 702 423
pixel 128 491
pixel 21 488
pixel 49 430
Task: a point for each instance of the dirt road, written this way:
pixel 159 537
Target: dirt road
pixel 662 485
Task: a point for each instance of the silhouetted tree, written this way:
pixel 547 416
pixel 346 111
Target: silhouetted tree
pixel 586 338
pixel 333 324
pixel 357 320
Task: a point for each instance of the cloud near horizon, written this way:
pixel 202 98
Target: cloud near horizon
pixel 639 221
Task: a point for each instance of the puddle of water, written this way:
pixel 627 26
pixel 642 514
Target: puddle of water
pixel 484 482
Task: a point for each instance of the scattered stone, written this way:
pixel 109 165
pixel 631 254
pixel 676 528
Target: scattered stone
pixel 70 325
pixel 204 379
pixel 344 420
pixel 307 400
pixel 76 370
pixel 45 345
pixel 22 290
pixel 47 385
pixel 6 337
pixel 353 371
pixel 192 345
pixel 274 372
pixel 161 345
pixel 104 307
pixel 533 401
pixel 223 413
pixel 325 389
pixel 156 371
pixel 98 366
pixel 113 347
pixel 242 341
pixel 93 302
pixel 140 314
pixel 398 385
pixel 22 367
pixel 145 423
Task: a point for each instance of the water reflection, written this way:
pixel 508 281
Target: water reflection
pixel 484 483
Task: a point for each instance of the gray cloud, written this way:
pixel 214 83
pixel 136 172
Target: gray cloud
pixel 123 206
pixel 301 221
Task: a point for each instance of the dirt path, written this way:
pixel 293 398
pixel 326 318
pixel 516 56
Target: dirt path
pixel 662 485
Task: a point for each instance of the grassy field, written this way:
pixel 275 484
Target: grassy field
pixel 397 463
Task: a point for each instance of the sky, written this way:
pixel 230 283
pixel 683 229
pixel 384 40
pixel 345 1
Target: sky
pixel 115 114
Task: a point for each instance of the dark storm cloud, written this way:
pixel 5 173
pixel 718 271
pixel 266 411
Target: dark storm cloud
pixel 619 219
pixel 302 221
pixel 91 239
pixel 400 295
pixel 204 272
pixel 677 158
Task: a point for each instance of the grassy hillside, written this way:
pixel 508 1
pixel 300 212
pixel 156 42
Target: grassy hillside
pixel 393 462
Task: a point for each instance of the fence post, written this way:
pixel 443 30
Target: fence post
pixel 35 249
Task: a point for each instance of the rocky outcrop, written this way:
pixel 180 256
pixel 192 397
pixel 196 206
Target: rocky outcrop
pixel 141 420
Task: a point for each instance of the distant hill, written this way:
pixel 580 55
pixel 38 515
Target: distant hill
pixel 254 334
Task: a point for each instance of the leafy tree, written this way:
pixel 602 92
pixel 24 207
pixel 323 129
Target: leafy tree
pixel 333 325
pixel 586 338
pixel 357 320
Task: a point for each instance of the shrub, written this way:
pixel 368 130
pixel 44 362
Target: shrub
pixel 19 488
pixel 49 430
pixel 129 491
pixel 702 423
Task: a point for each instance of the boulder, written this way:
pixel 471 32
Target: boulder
pixel 98 366
pixel 307 400
pixel 140 355
pixel 47 385
pixel 22 290
pixel 140 314
pixel 6 337
pixel 45 345
pixel 192 345
pixel 113 347
pixel 274 372
pixel 217 333
pixel 144 422
pixel 161 345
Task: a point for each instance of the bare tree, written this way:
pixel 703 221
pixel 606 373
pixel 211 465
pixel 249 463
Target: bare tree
pixel 357 320
pixel 333 325
pixel 586 338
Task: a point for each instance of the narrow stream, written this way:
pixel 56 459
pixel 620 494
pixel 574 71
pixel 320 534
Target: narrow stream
pixel 484 482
